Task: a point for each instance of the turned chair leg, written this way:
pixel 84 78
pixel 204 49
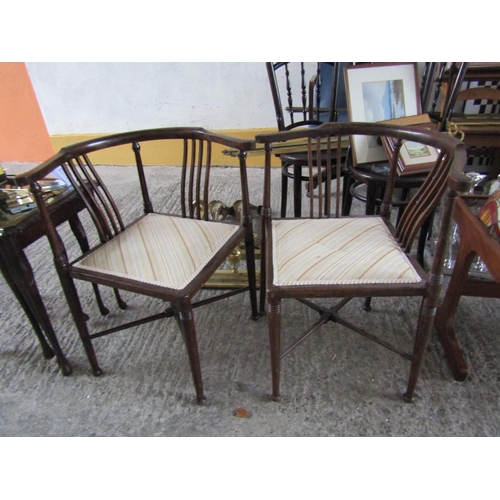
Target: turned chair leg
pixel 346 194
pixel 297 190
pixel 423 335
pixel 80 319
pixel 274 315
pixel 251 273
pixel 185 320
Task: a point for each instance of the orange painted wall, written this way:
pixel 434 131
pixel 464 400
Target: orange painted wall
pixel 23 133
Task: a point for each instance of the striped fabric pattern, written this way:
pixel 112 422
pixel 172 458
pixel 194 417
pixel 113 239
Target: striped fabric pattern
pixel 338 252
pixel 161 250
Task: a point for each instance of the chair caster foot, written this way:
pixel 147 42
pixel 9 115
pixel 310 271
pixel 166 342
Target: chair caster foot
pixel 201 401
pixel 97 372
pixel 276 399
pixel 255 317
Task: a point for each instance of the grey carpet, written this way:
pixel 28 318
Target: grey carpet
pixel 336 384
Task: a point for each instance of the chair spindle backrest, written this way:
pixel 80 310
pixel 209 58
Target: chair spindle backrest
pixel 196 165
pixel 309 97
pixel 329 139
pixel 102 208
pixel 193 157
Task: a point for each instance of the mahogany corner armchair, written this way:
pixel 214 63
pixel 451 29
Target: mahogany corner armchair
pixel 324 255
pixel 162 255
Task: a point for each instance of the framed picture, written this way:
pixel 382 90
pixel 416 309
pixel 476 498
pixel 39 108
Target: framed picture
pixel 414 157
pixel 379 92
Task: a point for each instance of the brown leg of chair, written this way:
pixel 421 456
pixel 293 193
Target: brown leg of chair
pixel 185 319
pixel 424 329
pixel 297 190
pixel 346 194
pixel 274 312
pixel 263 265
pixel 121 303
pixel 252 279
pixel 284 193
pixel 371 199
pixel 80 319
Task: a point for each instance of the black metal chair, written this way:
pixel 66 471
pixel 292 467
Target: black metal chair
pixel 304 95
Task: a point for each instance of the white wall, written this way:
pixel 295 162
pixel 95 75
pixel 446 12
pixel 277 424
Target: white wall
pixel 79 98
pixel 94 98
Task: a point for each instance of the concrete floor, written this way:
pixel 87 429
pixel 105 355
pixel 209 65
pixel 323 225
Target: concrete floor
pixel 336 384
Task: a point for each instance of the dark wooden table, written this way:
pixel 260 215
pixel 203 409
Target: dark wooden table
pixel 16 233
pixel 474 240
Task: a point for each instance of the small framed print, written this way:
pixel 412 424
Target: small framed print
pixel 413 157
pixel 379 92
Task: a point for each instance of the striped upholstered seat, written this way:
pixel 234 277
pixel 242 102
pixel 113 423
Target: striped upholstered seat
pixel 160 250
pixel 338 252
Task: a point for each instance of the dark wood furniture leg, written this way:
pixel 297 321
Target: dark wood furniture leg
pixel 284 193
pixel 21 276
pixel 474 240
pixel 297 190
pixel 48 352
pixel 445 316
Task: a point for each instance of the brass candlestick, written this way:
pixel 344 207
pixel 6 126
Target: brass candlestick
pixel 219 211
